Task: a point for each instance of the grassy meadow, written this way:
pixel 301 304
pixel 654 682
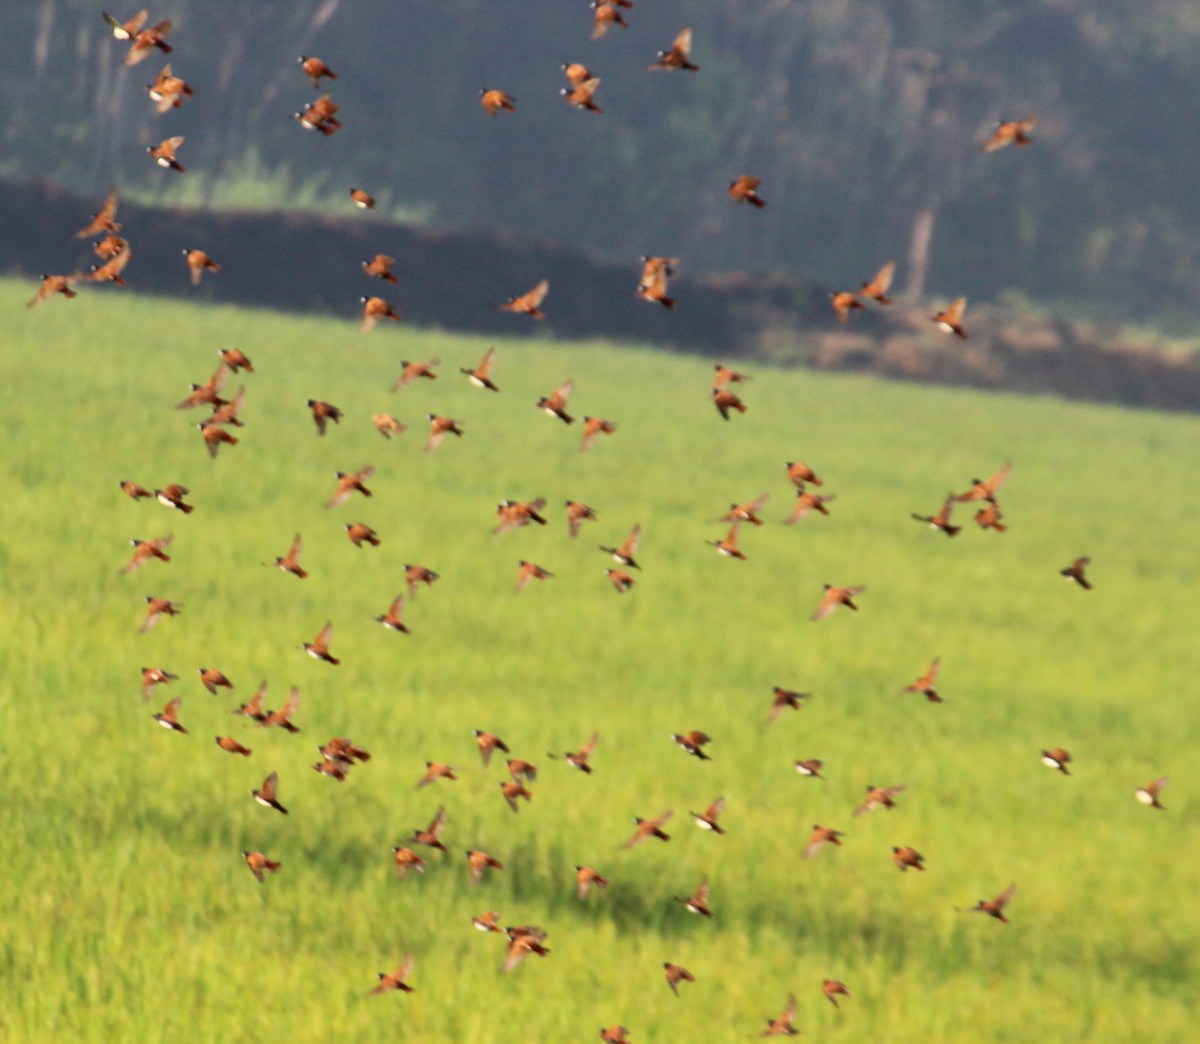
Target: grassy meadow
pixel 130 915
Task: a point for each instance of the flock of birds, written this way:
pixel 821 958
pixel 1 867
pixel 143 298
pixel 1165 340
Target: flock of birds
pixel 339 754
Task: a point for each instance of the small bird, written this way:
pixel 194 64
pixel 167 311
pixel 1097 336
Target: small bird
pixel 144 39
pixel 515 514
pixel 949 318
pixel 168 90
pixel 362 200
pixel 380 267
pixel 725 400
pixel 708 819
pixel 647 828
pixel 479 862
pixel 785 698
pixel 942 519
pixel 520 769
pixel 283 717
pixel 198 262
pixel 208 393
pixel 144 550
pixel 821 836
pixel 1075 571
pixel 320 115
pixel 212 679
pixel 488 743
pixel 387 425
pixel 844 303
pixel 555 404
pixel 679 55
pixel 579 758
pixel 834 597
pixel 1148 795
pixel 168 717
pixel 290 563
pixel 580 95
pixel 156 608
pixel 374 309
pixel 800 473
pixel 152 677
pixel 693 742
pixel 781 1026
pixel 576 72
pixel 481 375
pixel 165 151
pixel 495 100
pixel 132 489
pixel 995 907
pixel 439 428
pixel 54 284
pixel 878 797
pixel 332 768
pixel 723 375
pixel 1057 759
pixel 341 749
pixel 585 879
pixel 620 580
pixel 989 516
pixel 746 512
pixel 413 370
pixel 834 989
pixel 811 767
pixel 228 743
pixel 521 943
pixel 615 1035
pixel 577 514
pixel 488 921
pixel 109 247
pixel 253 709
pixel 126 30
pixel 257 862
pixel 349 483
pixel 236 360
pixel 110 271
pixel 908 859
pixel 1010 132
pixel 360 531
pixel 513 792
pixel 214 435
pixel 172 496
pixel 435 770
pixel 986 489
pixel 878 287
pixel 266 794
pixel 653 284
pixel 676 973
pixel 394 980
pixel 925 684
pixel 727 545
pixel 406 859
pixel 744 189
pixel 103 219
pixel 415 575
pixel 593 428
pixel 432 834
pixel 623 555
pixel 530 571
pixel 393 619
pixel 322 413
pixel 315 69
pixel 606 15
pixel 697 902
pixel 318 648
pixel 528 303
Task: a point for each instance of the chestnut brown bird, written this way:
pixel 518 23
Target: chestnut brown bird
pixel 374 309
pixel 908 858
pixel 228 743
pixel 156 608
pixel 1075 572
pixel 322 413
pixel 528 303
pixel 168 90
pixel 821 836
pixel 1057 759
pixel 615 1035
pixel 164 153
pixel 172 496
pixel 411 371
pixel 144 39
pixel 520 769
pixel 488 743
pixel 479 862
pixel 54 284
pixel 577 514
pixel 580 95
pixel 362 200
pixel 144 550
pixel 213 679
pixel 380 267
pixel 528 571
pixel 725 400
pixel 576 72
pixel 393 619
pixel 257 862
pixel 727 545
pixel 834 597
pixel 236 360
pixel 844 303
pixel 744 189
pixel 926 684
pixel 394 980
pixel 811 767
pixel 800 473
pixel 746 512
pixel 227 412
pixel 785 698
pixel 620 579
pixel 949 318
pixel 521 943
pixel 555 404
pixel 348 483
pixel 266 794
pixel 653 284
pixel 942 519
pixel 606 15
pixel 781 1025
pixel 723 375
pixel 253 709
pixel 593 428
pixel 623 555
pixel 579 758
pixel 647 828
pixel 986 489
pixel 110 271
pixel 360 531
pixel 439 428
pixel 435 770
pixel 693 743
pixel 988 517
pixel 214 435
pixel 198 262
pixel 1010 132
pixel 315 69
pixel 878 287
pixel 341 749
pixel 513 792
pixel 708 819
pixel 585 879
pixel 406 859
pixel 488 921
pixel 834 989
pixel 1148 795
pixel 495 100
pixel 481 375
pixel 387 425
pixel 132 489
pixel 103 219
pixel 415 575
pixel 995 907
pixel 320 115
pixel 109 247
pixel 676 973
pixel 318 648
pixel 878 797
pixel 335 770
pixel 432 834
pixel 126 30
pixel 290 563
pixel 168 717
pixel 697 902
pixel 679 55
pixel 515 514
pixel 152 677
pixel 208 393
pixel 283 717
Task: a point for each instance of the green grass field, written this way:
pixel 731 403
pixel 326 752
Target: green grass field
pixel 129 914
